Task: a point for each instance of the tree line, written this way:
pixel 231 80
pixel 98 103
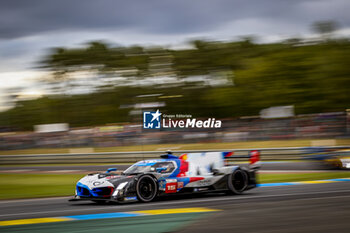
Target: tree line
pixel 208 79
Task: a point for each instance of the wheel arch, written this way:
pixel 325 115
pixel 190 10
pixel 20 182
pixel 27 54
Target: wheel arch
pixel 155 180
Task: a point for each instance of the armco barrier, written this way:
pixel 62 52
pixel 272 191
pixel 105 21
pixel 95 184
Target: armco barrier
pixel 283 153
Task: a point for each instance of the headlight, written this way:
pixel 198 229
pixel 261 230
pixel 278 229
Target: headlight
pixel 119 188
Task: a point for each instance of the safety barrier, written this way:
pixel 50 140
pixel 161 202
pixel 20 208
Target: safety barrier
pixel 267 154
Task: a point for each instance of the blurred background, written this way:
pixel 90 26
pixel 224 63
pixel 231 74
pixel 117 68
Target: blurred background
pixel 75 78
pixel 93 94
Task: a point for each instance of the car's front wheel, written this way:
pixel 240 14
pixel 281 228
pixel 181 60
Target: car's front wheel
pixel 146 188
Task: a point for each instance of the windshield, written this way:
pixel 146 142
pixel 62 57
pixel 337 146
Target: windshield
pixel 165 167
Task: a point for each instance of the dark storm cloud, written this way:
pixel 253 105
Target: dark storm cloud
pixel 29 27
pixel 20 18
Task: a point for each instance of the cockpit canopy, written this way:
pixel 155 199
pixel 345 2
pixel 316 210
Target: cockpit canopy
pixel 162 167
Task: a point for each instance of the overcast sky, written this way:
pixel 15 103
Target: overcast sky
pixel 29 27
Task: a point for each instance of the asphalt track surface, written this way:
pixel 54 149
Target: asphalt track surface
pixel 296 208
pixel 280 166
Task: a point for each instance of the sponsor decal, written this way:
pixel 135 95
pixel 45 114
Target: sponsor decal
pixel 171 180
pixel 180 185
pixel 96 183
pixel 153 120
pixel 171 187
pixel 205 182
pixel 111 177
pixel 162 185
pixel 130 198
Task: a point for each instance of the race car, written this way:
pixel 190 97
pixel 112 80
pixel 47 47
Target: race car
pixel 329 158
pixel 169 175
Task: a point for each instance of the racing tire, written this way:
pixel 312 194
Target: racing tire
pixel 146 188
pixel 237 181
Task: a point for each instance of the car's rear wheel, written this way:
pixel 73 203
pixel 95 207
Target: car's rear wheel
pixel 146 188
pixel 237 181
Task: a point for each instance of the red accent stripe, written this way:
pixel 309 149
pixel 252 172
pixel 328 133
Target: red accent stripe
pixel 193 179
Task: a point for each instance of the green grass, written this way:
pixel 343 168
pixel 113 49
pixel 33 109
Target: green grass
pixel 193 146
pixel 14 186
pixel 272 178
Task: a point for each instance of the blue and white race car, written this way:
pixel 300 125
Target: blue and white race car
pixel 188 173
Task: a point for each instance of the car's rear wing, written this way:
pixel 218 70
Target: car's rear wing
pixel 253 157
pixel 216 160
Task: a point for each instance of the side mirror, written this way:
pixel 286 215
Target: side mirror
pixel 111 170
pixel 160 169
